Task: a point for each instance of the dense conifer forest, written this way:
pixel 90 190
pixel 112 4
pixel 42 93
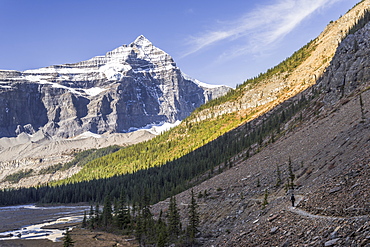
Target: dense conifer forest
pixel 118 217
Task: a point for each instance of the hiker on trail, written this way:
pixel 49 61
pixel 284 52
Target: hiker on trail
pixel 292 198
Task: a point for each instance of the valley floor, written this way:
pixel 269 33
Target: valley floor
pixel 81 238
pixel 16 217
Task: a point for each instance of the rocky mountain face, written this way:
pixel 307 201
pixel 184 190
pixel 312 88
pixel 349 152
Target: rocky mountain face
pixel 326 147
pixel 130 87
pixel 350 68
pixel 48 114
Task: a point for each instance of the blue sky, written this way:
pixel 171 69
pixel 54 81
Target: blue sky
pixel 217 42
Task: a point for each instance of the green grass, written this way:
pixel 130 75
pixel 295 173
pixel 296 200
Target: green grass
pixel 16 177
pixel 156 152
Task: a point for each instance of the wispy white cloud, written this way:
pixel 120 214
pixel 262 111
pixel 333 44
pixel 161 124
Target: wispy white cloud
pixel 260 28
pixel 189 11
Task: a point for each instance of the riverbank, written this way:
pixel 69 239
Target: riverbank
pixel 17 217
pixel 81 238
pixel 22 218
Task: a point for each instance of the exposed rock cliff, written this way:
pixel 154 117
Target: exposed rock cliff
pixel 131 86
pixel 350 67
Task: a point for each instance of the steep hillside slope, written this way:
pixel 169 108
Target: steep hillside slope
pixel 327 148
pixel 249 101
pixel 297 73
pixel 330 159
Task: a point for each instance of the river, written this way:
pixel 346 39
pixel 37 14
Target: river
pixel 28 221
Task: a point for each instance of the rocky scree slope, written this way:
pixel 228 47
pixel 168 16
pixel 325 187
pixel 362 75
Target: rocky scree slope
pixel 327 145
pixel 37 153
pixel 130 87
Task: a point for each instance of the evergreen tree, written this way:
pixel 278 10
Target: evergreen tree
pixel 122 214
pixel 115 208
pixel 91 218
pixel 278 174
pixel 291 174
pixel 67 240
pixel 145 222
pixel 265 201
pixel 140 227
pixel 192 228
pixel 97 218
pixel 362 107
pixel 107 216
pixel 162 233
pixel 84 221
pixel 174 224
pixel 145 206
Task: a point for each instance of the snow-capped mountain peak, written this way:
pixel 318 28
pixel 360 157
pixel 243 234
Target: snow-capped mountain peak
pixel 142 41
pixel 130 87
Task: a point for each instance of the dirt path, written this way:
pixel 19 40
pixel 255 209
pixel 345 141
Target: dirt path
pixel 304 213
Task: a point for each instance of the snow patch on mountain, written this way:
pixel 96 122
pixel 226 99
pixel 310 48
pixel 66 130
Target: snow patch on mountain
pixel 87 134
pixel 94 91
pixel 156 129
pixel 114 70
pixel 199 83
